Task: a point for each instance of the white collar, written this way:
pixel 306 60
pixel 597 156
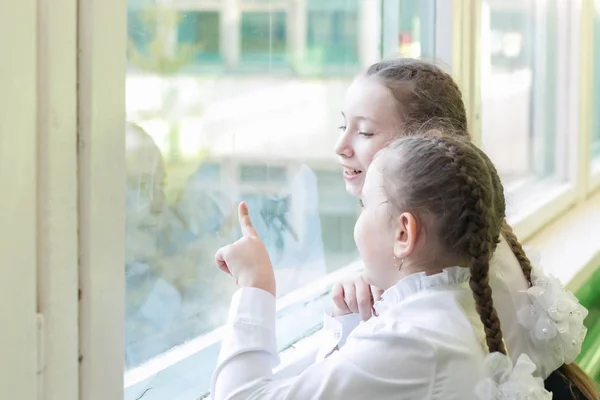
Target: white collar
pixel 418 282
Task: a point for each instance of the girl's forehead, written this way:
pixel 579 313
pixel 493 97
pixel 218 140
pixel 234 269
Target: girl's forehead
pixel 367 97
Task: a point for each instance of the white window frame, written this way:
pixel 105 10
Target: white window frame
pixel 18 253
pixel 38 132
pixel 590 9
pixel 101 180
pixel 466 70
pixel 586 169
pixel 57 199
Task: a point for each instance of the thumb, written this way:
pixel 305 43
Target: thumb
pixel 245 222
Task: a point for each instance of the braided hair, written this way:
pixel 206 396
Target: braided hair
pixel 448 179
pixel 577 379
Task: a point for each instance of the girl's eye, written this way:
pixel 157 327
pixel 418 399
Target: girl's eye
pixel 343 128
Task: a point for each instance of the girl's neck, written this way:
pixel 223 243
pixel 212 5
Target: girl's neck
pixel 409 268
pixel 431 265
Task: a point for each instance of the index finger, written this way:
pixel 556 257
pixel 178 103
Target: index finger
pixel 245 222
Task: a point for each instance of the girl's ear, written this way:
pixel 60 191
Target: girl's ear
pixel 405 238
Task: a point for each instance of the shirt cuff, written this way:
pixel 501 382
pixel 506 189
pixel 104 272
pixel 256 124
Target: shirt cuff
pixel 253 306
pixel 335 332
pixel 342 326
pixel 250 325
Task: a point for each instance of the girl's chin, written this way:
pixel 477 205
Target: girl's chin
pixel 378 283
pixel 354 186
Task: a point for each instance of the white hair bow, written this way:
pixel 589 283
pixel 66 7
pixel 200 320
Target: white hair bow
pixel 555 317
pixel 503 382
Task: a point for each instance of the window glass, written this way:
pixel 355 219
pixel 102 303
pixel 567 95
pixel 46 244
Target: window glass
pixel 201 30
pixel 264 36
pixel 331 32
pixel 407 29
pixel 204 132
pixel 518 99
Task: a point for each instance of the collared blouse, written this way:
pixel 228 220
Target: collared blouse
pixel 426 343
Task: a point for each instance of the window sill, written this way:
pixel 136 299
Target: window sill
pixel 570 244
pixel 540 207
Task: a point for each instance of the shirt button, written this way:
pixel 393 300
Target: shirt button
pixel 337 334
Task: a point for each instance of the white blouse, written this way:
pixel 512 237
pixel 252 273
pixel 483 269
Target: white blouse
pixel 426 343
pixel 509 292
pixel 543 322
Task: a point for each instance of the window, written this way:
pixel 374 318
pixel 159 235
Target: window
pixel 198 143
pixel 406 29
pixel 595 148
pixel 519 84
pixel 163 39
pixel 137 30
pixel 337 214
pixel 263 173
pixel 200 29
pixel 264 37
pixel 331 34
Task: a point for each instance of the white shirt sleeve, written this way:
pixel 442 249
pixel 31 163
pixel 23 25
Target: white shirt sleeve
pixel 368 367
pixel 335 333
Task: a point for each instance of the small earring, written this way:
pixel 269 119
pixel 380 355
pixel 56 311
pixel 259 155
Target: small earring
pixel 398 267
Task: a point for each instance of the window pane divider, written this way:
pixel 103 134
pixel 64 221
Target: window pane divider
pixel 101 180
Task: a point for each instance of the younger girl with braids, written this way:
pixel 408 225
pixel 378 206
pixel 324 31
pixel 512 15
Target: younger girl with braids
pixel 433 210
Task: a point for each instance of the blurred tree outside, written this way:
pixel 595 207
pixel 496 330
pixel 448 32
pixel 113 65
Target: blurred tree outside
pixel 158 51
